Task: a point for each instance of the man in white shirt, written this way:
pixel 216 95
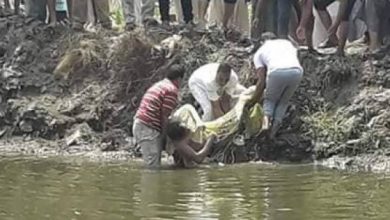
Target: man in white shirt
pixel 280 73
pixel 214 86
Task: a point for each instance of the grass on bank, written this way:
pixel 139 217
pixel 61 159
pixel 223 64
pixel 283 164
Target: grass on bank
pixel 327 125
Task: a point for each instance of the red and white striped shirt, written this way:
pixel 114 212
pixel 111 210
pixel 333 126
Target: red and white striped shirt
pixel 162 96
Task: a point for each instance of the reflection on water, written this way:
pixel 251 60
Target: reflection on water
pixel 31 189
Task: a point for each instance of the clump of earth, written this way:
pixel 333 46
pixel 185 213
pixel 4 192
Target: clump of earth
pixel 64 92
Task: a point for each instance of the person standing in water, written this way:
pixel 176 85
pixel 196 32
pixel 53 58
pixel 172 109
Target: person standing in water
pixel 151 119
pixel 279 74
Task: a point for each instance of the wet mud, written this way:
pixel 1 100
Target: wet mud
pixel 64 92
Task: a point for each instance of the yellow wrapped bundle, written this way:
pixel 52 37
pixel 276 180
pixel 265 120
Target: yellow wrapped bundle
pixel 225 125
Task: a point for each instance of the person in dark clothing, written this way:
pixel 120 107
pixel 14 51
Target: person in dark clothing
pixel 283 15
pixel 186 6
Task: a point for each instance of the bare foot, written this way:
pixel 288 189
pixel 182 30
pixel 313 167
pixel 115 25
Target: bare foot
pixel 266 123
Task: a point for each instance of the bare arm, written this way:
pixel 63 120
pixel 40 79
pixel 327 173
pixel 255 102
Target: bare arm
pixel 189 153
pixel 260 86
pixel 216 108
pixel 225 102
pixel 164 123
pixel 169 104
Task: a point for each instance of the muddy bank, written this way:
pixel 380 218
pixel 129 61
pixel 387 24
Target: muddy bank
pixel 67 93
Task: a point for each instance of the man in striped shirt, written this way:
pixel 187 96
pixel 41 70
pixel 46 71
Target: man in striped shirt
pixel 149 128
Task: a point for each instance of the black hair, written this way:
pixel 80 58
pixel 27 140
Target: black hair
pixel 224 68
pixel 175 72
pixel 175 131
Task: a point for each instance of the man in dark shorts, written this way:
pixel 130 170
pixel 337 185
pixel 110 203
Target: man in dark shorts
pixel 341 23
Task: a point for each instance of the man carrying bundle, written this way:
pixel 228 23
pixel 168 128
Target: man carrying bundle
pixel 214 86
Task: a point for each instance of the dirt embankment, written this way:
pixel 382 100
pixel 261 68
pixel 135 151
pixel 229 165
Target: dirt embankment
pixel 69 93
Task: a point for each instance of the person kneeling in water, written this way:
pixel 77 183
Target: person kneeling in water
pixel 186 152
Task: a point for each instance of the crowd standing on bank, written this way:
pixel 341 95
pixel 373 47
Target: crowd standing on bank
pixel 276 29
pixel 367 20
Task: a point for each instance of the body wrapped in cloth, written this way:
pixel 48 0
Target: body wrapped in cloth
pixel 224 128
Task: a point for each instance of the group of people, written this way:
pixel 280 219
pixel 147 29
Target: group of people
pixel 79 12
pixel 292 19
pixel 215 86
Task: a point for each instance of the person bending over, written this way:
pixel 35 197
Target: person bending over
pixel 280 73
pixel 214 86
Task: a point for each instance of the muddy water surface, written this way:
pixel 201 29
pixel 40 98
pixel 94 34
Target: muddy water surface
pixel 53 189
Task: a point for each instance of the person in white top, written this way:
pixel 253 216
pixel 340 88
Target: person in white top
pixel 280 73
pixel 214 86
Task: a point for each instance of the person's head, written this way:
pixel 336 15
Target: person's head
pixel 176 131
pixel 175 72
pixel 223 74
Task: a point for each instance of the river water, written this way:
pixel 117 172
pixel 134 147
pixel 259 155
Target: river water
pixel 55 189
